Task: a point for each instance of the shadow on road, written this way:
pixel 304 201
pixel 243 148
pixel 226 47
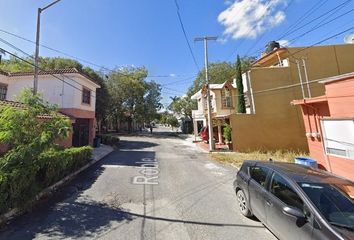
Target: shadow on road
pixel 128 144
pixel 191 222
pixel 67 213
pixel 129 158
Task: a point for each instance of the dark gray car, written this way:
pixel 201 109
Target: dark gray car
pixel 296 202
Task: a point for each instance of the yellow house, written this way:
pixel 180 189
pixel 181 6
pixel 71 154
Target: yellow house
pixel 272 83
pixel 223 104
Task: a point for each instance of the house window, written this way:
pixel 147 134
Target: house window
pixel 339 137
pixel 206 103
pixel 3 91
pixel 86 96
pixel 226 98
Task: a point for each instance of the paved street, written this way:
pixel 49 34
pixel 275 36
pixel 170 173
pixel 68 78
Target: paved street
pixel 185 196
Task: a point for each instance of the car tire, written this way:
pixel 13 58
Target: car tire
pixel 243 203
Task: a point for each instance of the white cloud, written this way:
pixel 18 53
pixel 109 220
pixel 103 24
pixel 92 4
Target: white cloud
pixel 249 18
pixel 283 43
pixel 173 75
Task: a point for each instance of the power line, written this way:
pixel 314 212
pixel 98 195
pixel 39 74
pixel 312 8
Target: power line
pixel 179 81
pixel 306 14
pixel 78 58
pixel 185 36
pixel 63 80
pixel 335 9
pixel 321 25
pixel 18 49
pixel 242 41
pixel 265 33
pixel 292 54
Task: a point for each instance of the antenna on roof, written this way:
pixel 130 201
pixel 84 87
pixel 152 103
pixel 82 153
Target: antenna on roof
pixel 349 39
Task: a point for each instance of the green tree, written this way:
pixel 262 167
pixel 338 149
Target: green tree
pixel 172 121
pixel 219 72
pixel 133 96
pixel 183 106
pixel 241 105
pixel 152 100
pixel 24 132
pixel 227 131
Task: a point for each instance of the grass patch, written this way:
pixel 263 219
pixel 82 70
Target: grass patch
pixel 237 158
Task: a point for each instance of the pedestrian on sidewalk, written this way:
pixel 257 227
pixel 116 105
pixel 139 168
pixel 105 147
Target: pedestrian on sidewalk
pixel 150 129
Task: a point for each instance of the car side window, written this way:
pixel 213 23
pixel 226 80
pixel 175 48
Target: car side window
pixel 259 174
pixel 284 192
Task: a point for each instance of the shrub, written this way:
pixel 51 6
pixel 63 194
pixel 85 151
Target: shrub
pixel 109 139
pixel 227 133
pixel 19 184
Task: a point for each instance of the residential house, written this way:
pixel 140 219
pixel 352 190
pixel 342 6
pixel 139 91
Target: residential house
pixel 223 104
pixel 329 125
pixel 71 90
pixel 272 83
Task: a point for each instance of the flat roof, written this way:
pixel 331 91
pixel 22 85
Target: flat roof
pixel 341 77
pixel 322 98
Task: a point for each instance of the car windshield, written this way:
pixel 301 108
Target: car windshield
pixel 335 201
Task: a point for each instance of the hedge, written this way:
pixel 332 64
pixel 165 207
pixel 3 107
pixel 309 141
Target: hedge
pixel 19 185
pixel 109 139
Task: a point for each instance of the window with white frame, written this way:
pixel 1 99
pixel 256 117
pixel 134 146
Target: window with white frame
pixel 3 91
pixel 226 98
pixel 339 137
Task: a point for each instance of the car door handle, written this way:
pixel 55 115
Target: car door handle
pixel 269 203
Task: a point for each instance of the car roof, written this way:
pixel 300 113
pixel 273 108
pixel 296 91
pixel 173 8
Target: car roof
pixel 300 173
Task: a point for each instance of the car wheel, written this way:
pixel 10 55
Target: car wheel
pixel 243 204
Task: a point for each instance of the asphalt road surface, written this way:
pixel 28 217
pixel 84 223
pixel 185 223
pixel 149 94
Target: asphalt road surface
pixel 154 187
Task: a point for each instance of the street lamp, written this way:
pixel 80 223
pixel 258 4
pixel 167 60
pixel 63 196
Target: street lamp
pixel 36 60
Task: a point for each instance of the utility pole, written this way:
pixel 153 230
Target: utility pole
pixel 210 123
pixel 36 56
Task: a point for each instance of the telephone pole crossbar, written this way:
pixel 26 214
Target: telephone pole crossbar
pixel 210 123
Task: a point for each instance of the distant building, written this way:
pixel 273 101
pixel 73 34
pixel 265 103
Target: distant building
pixel 71 90
pixel 329 125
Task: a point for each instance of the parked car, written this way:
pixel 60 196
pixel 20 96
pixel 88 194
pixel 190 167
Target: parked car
pixel 295 201
pixel 204 134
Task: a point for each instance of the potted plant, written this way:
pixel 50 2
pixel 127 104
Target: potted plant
pixel 227 131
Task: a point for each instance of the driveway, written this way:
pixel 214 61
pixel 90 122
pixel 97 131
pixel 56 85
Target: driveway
pixel 154 187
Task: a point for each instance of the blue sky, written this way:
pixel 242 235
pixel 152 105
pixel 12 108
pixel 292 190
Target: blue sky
pixel 147 32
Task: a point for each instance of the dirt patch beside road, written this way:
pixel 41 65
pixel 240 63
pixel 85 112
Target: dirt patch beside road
pixel 236 159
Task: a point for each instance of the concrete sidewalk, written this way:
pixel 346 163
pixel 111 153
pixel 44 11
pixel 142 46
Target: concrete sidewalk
pixel 101 152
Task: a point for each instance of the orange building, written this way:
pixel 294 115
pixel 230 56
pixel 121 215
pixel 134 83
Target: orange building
pixel 329 125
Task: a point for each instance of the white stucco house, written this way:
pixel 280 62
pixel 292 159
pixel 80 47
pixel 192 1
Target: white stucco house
pixel 71 90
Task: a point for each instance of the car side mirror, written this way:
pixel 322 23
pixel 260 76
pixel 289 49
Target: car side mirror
pixel 294 212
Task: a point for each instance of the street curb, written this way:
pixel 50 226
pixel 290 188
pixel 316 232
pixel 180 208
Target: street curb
pixel 48 191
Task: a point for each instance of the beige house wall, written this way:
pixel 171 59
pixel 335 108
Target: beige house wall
pixel 276 124
pixel 220 110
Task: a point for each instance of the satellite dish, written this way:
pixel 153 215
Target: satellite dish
pixel 349 38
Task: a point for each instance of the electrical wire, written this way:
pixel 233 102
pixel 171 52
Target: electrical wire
pixel 334 10
pixel 78 58
pixel 185 35
pixel 63 80
pixel 319 26
pixel 304 16
pixel 265 32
